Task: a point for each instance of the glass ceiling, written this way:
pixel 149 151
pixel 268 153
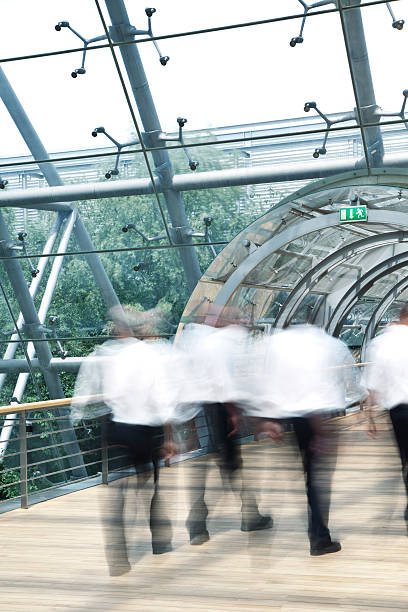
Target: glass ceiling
pixel 259 104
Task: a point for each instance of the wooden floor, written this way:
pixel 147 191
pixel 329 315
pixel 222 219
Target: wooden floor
pixel 52 555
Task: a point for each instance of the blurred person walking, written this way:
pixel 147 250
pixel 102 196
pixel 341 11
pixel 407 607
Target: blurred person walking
pixel 307 376
pixel 386 380
pixel 126 373
pixel 211 346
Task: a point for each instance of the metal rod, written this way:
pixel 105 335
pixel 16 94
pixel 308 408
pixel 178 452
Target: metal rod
pixel 189 182
pixel 23 461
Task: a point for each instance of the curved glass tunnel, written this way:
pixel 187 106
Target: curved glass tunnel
pixel 302 262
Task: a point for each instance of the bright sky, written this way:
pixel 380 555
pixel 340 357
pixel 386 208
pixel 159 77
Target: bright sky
pixel 224 78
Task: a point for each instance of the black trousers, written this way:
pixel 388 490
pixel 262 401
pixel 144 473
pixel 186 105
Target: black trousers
pixel 142 445
pixel 319 468
pixel 229 461
pixel 399 420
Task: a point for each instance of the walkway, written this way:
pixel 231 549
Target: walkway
pixel 52 554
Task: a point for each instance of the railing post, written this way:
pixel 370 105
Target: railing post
pixel 23 460
pixel 105 451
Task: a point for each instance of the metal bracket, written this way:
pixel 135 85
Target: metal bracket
pixel 52 320
pixel 33 329
pixel 123 32
pixel 118 33
pixel 21 236
pixel 398 24
pixel 142 265
pixel 193 164
pixel 86 42
pixel 115 170
pixel 371 114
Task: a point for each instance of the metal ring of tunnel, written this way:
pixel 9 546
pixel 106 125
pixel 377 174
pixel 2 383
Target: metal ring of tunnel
pixel 326 265
pixel 393 218
pixel 360 287
pixel 379 312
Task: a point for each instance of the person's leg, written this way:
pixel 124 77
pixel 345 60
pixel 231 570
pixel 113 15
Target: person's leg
pixel 399 420
pixel 318 458
pixel 112 517
pixel 196 522
pixel 146 444
pixel 234 475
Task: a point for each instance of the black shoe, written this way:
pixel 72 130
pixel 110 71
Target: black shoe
pixel 119 569
pixel 324 548
pixel 199 538
pixel 262 522
pixel 160 549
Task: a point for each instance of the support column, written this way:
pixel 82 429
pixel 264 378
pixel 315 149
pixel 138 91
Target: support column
pixel 121 31
pixel 353 30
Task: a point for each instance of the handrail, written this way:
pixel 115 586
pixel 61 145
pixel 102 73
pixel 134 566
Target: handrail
pixel 29 406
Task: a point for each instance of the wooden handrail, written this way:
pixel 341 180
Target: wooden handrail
pixel 63 401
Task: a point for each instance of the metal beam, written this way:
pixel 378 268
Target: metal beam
pixel 359 64
pixel 12 366
pixel 34 287
pixel 30 351
pixel 121 31
pixel 233 177
pixel 47 297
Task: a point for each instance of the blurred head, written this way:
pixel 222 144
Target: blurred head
pixel 129 322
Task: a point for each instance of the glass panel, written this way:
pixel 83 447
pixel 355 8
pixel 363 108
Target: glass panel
pixel 64 110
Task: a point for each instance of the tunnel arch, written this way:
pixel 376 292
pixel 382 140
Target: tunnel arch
pixel 299 255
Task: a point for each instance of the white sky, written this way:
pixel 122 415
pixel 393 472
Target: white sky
pixel 241 76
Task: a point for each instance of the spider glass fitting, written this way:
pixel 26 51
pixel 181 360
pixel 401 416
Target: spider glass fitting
pixel 372 115
pixel 132 31
pixel 193 164
pixel 207 238
pixel 21 236
pixel 3 183
pixel 398 24
pixel 115 170
pixel 52 320
pixel 157 139
pixel 142 265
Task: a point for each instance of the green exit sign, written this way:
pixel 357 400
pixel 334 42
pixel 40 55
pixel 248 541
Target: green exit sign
pixel 353 213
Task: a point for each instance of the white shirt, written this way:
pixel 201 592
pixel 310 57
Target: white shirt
pixel 388 374
pixel 209 361
pixel 129 375
pixel 304 372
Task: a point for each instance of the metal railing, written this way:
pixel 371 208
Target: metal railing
pixel 39 457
